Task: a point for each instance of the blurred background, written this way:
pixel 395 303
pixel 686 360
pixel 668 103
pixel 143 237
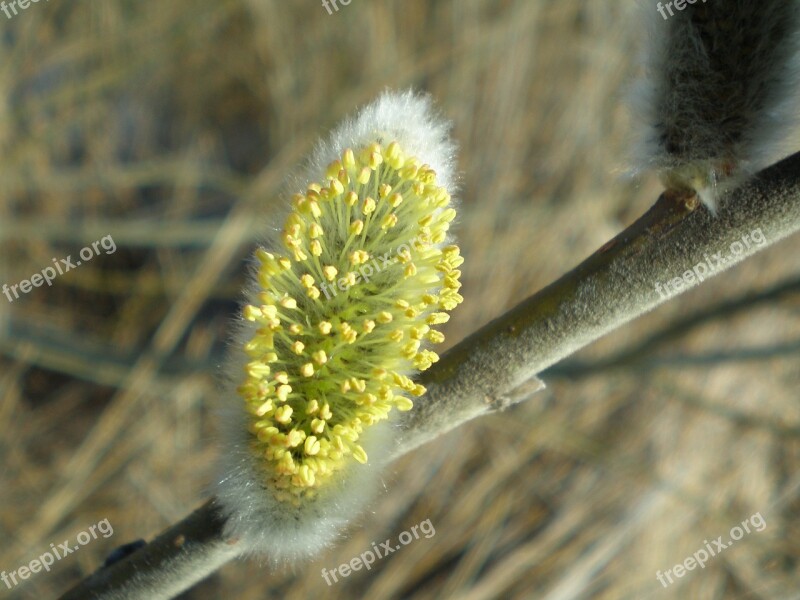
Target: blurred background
pixel 172 126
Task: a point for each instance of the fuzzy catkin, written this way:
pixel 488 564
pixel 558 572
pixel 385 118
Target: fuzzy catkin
pixel 333 329
pixel 719 97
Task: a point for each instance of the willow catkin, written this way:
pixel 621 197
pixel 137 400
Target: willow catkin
pixel 336 326
pixel 719 96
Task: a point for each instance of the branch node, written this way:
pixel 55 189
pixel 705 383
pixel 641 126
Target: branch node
pixel 518 394
pixel 686 199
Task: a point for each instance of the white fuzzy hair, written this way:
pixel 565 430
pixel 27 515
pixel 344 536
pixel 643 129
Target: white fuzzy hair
pixel 405 117
pixel 269 528
pixel 721 91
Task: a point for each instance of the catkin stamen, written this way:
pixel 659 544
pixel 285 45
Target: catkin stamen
pixel 350 309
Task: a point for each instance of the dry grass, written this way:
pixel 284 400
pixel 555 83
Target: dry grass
pixel 170 126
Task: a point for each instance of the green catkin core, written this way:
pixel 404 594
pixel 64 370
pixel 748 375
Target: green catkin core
pixel 346 314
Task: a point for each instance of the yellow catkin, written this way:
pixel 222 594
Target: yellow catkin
pixel 363 282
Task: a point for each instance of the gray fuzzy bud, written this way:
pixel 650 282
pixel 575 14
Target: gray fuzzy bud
pixel 720 92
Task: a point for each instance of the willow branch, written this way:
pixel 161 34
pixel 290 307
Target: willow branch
pixel 491 368
pixel 497 365
pixel 177 559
